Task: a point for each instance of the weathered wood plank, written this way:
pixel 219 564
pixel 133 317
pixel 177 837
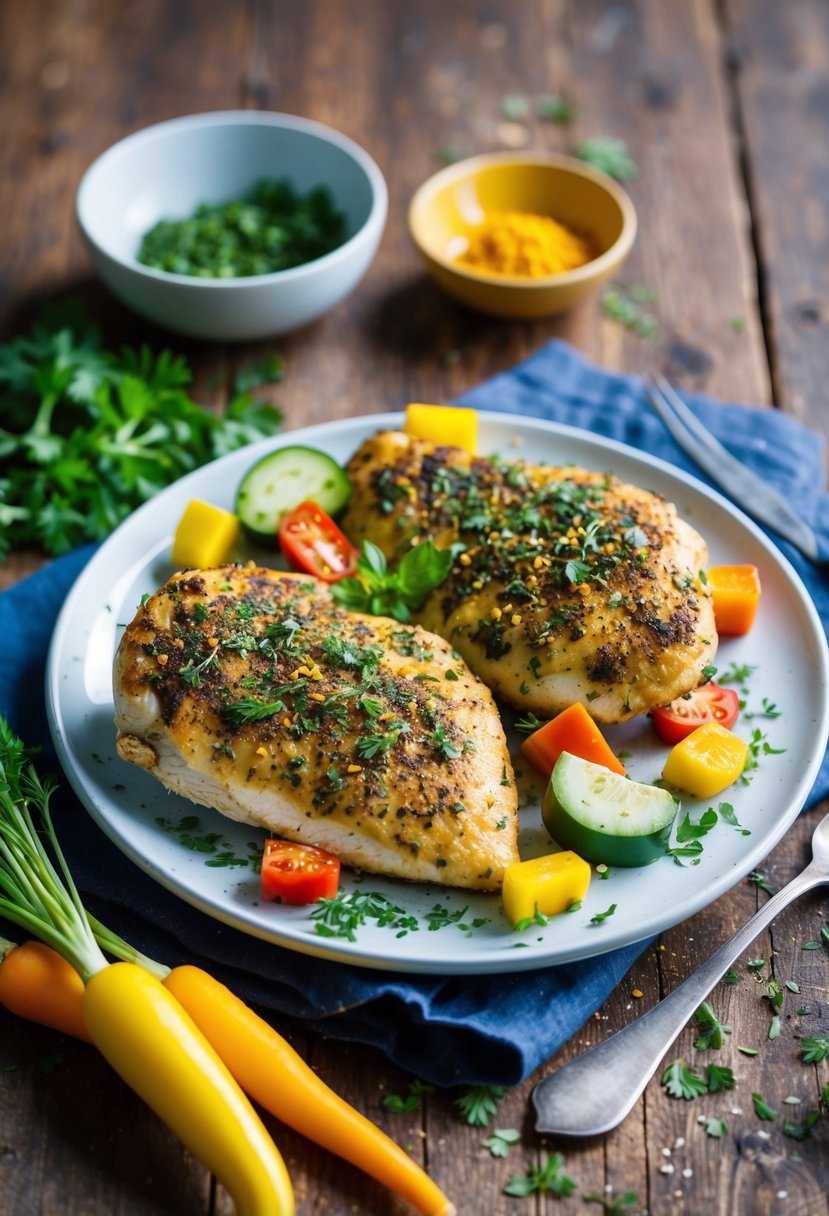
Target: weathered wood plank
pixel 780 62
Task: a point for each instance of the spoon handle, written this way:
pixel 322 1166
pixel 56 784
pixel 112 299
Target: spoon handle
pixel 593 1093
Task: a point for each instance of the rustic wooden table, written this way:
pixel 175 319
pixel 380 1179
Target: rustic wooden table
pixel 724 104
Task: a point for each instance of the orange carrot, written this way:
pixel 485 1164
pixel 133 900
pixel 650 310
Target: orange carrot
pixel 573 731
pixel 39 984
pixel 735 594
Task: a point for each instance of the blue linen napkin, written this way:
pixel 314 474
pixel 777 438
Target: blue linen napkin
pixel 447 1030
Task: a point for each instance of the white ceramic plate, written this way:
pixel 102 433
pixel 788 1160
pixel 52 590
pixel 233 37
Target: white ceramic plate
pixel 786 648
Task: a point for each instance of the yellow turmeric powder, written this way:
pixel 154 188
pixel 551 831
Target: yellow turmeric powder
pixel 520 244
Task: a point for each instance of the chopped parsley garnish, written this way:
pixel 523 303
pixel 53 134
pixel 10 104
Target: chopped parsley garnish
pixel 343 915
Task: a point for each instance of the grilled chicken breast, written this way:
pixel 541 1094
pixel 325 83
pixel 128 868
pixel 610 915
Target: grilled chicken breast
pixel 252 692
pixel 568 586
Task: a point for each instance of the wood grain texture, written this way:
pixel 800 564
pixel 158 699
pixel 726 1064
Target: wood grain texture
pixel 723 104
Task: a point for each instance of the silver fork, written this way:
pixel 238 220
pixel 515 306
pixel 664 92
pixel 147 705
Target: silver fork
pixel 749 491
pixel 593 1093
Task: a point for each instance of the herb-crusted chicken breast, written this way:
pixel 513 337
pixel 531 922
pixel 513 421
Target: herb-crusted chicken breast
pixel 568 586
pixel 251 691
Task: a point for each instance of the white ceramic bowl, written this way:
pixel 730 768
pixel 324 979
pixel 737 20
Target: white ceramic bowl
pixel 165 171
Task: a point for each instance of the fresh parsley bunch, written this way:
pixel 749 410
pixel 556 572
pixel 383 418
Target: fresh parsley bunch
pixel 395 593
pixel 87 435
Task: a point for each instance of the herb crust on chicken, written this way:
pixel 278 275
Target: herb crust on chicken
pixel 251 691
pixel 569 585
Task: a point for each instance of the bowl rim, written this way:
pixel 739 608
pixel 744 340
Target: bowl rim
pixel 472 165
pixel 373 222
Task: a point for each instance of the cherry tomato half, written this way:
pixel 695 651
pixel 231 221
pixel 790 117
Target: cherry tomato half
pixel 314 544
pixel 298 873
pixel 708 703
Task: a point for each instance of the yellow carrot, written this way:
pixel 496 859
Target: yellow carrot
pixel 268 1068
pixel 134 1021
pixel 153 1044
pixel 261 1060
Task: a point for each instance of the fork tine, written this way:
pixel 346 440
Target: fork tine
pixel 744 486
pixel 688 417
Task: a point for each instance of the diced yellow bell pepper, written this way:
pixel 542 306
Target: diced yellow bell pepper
pixel 546 884
pixel 443 424
pixel 706 761
pixel 205 536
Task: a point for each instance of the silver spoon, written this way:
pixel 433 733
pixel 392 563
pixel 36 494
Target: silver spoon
pixel 592 1094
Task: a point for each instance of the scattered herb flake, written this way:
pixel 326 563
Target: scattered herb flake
pixel 711 1027
pixel 410 1100
pixel 762 1109
pixel 479 1103
pixel 547 1177
pixel 501 1140
pixel 815 1049
pixel 610 155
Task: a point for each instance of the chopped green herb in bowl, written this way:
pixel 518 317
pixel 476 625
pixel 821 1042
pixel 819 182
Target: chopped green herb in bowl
pixel 235 225
pixel 272 227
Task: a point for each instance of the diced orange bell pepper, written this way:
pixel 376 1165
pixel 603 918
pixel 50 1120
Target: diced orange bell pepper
pixel 443 424
pixel 548 885
pixel 707 761
pixel 735 594
pixel 573 731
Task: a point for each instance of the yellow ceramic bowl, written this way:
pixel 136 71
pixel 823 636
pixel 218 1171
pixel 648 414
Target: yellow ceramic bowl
pixel 450 205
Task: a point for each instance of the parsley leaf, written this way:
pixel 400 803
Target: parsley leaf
pixel 410 1101
pixel 547 1177
pixel 626 1204
pixel 501 1140
pixel 814 1050
pixel 683 1082
pixel 609 154
pixel 479 1103
pixel 762 1109
pixel 89 435
pixel 711 1027
pixel 719 1078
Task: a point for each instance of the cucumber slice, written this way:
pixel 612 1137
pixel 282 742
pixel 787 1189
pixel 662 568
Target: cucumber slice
pixel 605 817
pixel 281 481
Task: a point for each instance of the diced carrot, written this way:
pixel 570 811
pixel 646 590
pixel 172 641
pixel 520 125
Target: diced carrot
pixel 735 594
pixel 574 731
